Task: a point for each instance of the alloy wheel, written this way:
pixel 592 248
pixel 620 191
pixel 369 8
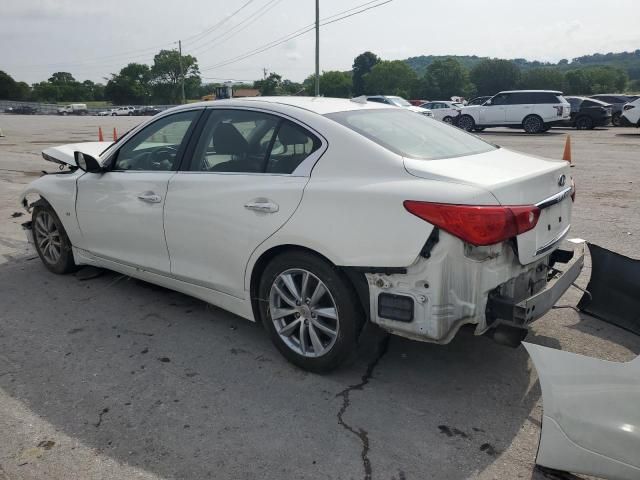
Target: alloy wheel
pixel 48 238
pixel 303 312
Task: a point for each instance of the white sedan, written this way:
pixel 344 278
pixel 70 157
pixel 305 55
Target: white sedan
pixel 315 216
pixel 445 111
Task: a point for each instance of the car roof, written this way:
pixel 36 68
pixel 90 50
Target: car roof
pixel 557 92
pixel 320 105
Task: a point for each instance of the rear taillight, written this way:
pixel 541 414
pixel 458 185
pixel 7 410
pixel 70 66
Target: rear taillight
pixel 477 224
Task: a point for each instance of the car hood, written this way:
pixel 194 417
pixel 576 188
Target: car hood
pixel 418 109
pixel 63 154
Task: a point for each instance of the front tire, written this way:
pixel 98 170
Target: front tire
pixel 467 123
pixel 533 124
pixel 51 240
pixel 616 120
pixel 448 120
pixel 310 311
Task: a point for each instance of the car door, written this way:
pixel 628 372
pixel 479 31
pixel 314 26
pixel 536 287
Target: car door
pixel 494 113
pixel 518 106
pixel 120 212
pixel 245 179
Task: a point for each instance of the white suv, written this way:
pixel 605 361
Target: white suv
pixel 535 111
pixel 122 111
pixel 631 114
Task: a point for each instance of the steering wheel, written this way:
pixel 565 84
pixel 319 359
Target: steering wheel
pixel 159 158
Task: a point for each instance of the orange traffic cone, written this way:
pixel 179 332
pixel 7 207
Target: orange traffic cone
pixel 567 150
pixel 115 135
pixel 100 136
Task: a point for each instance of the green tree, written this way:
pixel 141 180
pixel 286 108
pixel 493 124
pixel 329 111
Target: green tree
pixel 490 76
pixel 543 78
pixel 335 84
pixel 131 85
pixel 166 76
pixel 7 86
pixel 270 85
pixel 289 87
pixel 390 78
pixel 608 79
pixel 578 82
pixel 443 79
pixel 362 65
pixel 62 78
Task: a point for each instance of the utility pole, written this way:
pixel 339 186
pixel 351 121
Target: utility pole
pixel 317 48
pixel 181 71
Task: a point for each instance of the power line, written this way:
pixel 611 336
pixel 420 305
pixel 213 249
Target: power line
pixel 293 35
pixel 230 33
pixel 198 36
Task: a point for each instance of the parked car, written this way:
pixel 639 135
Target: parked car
pixel 315 216
pixel 535 111
pixel 444 110
pixel 147 111
pixel 73 109
pixel 631 114
pixel 104 113
pixel 122 111
pixel 398 102
pixel 588 113
pixel 22 110
pixel 478 101
pixel 617 102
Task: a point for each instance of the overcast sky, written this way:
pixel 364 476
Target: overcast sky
pixel 93 38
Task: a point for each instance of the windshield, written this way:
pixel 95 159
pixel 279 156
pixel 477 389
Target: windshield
pixel 411 135
pixel 399 101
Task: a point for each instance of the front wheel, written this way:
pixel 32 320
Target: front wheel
pixel 467 123
pixel 448 120
pixel 310 311
pixel 533 124
pixel 51 240
pixel 616 120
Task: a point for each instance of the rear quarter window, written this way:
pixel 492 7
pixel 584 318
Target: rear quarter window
pixel 546 97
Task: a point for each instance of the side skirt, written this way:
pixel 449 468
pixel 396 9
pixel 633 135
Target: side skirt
pixel 227 302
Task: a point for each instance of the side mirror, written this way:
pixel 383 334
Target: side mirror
pixel 87 163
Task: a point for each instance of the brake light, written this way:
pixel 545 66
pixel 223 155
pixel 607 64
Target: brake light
pixel 477 224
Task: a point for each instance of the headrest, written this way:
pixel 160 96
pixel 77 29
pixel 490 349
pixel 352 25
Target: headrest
pixel 291 135
pixel 228 140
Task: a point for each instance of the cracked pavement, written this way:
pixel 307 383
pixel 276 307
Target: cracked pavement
pixel 106 377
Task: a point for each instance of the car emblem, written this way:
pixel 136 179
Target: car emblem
pixel 562 179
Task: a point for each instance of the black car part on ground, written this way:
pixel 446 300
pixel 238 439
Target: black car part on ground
pixel 614 289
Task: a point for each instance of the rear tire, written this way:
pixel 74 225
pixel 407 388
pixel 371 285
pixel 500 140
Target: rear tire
pixel 51 240
pixel 467 123
pixel 584 123
pixel 305 330
pixel 533 124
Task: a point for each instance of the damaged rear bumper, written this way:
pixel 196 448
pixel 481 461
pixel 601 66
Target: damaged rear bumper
pixel 525 311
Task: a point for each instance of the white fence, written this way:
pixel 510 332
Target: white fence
pixel 52 108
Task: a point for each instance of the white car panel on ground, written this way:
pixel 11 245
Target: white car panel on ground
pixel 211 198
pixel 591 419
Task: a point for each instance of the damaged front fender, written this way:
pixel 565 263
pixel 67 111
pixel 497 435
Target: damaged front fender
pixel 591 419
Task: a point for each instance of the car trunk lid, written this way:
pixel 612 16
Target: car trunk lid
pixel 513 179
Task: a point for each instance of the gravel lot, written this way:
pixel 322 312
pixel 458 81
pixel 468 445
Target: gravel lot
pixel 113 378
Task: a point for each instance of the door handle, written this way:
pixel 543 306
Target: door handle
pixel 262 206
pixel 149 197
